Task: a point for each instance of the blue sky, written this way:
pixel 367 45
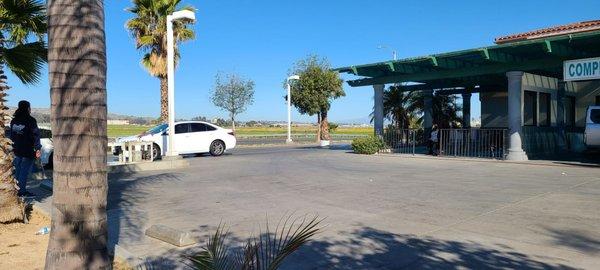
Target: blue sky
pixel 262 39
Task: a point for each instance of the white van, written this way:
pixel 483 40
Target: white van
pixel 592 127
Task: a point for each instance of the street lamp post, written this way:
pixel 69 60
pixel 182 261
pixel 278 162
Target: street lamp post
pixel 179 15
pixel 394 54
pixel 289 107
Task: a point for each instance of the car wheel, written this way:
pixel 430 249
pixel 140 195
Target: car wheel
pixel 156 152
pixel 217 148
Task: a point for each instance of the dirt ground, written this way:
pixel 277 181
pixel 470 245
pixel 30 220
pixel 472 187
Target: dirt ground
pixel 21 248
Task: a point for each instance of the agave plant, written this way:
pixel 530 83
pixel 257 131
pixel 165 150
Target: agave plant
pixel 265 252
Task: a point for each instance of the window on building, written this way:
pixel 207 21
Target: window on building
pixel 544 111
pixel 570 111
pixel 530 108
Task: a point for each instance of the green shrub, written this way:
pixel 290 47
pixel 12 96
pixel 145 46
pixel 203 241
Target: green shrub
pixel 367 145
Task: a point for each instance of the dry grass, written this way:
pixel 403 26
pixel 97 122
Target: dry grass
pixel 21 248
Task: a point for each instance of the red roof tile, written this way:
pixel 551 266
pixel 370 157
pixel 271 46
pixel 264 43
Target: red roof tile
pixel 551 31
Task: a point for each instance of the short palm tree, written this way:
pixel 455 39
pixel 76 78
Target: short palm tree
pixel 149 29
pixel 23 51
pixel 265 252
pixel 396 102
pixel 444 108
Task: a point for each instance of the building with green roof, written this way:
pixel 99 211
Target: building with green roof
pixel 521 82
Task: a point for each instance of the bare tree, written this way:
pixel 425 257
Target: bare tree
pixel 233 94
pixel 77 66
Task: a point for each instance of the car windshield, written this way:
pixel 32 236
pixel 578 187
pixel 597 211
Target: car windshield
pixel 157 129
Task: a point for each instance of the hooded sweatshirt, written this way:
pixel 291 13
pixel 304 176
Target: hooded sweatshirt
pixel 25 135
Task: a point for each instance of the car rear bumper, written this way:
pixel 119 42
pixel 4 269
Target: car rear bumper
pixel 230 142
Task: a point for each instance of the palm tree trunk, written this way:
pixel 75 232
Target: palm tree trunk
pixel 164 99
pixel 11 206
pixel 77 66
pixel 324 126
pixel 318 127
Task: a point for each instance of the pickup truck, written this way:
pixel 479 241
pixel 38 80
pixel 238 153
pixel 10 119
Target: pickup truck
pixel 592 127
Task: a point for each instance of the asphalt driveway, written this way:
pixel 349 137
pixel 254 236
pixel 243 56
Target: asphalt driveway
pixel 381 212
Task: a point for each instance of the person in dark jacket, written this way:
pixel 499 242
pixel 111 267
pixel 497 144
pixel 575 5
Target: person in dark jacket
pixel 25 134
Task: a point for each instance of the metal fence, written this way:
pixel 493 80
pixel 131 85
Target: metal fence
pixel 477 143
pixel 404 141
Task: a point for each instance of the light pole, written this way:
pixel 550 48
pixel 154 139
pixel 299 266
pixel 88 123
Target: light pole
pixel 289 107
pixel 179 15
pixel 394 55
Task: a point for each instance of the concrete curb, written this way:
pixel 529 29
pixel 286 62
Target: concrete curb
pixel 128 258
pixel 529 162
pixel 149 166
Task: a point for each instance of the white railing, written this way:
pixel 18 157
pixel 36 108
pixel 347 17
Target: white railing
pixel 474 142
pixel 131 152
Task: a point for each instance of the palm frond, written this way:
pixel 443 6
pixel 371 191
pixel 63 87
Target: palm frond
pixel 215 255
pixel 148 28
pixel 26 60
pixel 22 18
pixel 265 252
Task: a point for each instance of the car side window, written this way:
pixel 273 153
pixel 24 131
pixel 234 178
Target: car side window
pixel 200 127
pixel 197 127
pixel 181 128
pixel 45 133
pixel 595 116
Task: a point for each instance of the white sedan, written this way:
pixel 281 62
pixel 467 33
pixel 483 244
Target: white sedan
pixel 47 147
pixel 191 137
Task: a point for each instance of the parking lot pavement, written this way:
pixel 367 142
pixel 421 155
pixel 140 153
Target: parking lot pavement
pixel 381 212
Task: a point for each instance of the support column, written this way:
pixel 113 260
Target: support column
pixel 378 113
pixel 428 112
pixel 515 118
pixel 466 110
pixel 560 116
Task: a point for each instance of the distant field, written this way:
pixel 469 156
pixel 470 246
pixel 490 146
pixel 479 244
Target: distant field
pixel 128 130
pixel 300 130
pixel 125 130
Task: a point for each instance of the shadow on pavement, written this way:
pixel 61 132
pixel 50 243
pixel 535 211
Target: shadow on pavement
pixel 369 248
pixel 127 193
pixel 577 240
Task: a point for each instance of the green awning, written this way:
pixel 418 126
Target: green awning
pixel 481 66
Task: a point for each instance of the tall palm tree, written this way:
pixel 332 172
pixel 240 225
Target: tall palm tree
pixel 149 28
pixel 22 50
pixel 77 65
